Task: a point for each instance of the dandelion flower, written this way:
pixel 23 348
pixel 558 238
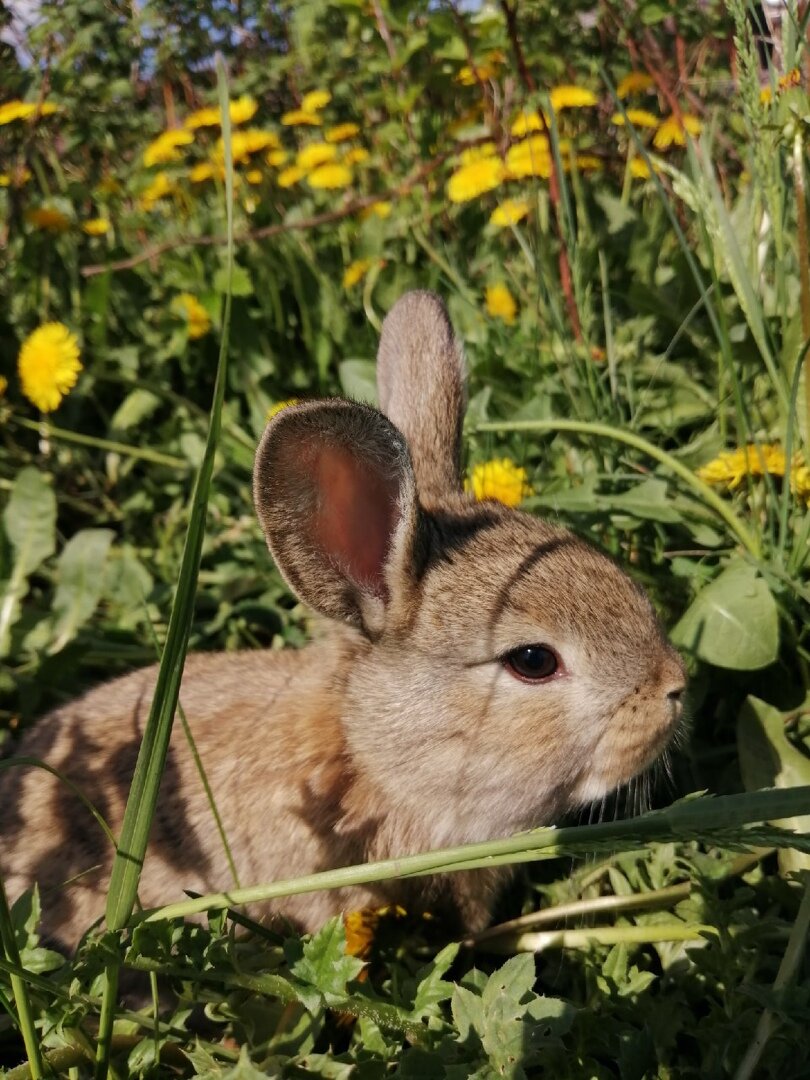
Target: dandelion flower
pixel 3 385
pixel 206 170
pixel 499 479
pixel 474 179
pixel 640 118
pixel 361 927
pixel 525 123
pixel 636 82
pixel 330 176
pixel 245 143
pixel 160 187
pixel 291 175
pixel 25 110
pixel 275 409
pixel 531 157
pixel 672 132
pixel 730 468
pixel 356 271
pixel 589 163
pixel 572 97
pixel 164 149
pixel 197 318
pixel 314 154
pixel 341 132
pixel 477 153
pixel 509 212
pixel 241 110
pixel 49 365
pixel 277 158
pixel 17 179
pixel 789 79
pixel 48 219
pixel 301 118
pixel 500 303
pixel 315 100
pixel 639 169
pixel 766 95
pixel 356 156
pixel 254 176
pixel 800 481
pixel 96 226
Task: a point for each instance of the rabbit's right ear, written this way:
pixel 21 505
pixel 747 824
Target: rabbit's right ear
pixel 335 494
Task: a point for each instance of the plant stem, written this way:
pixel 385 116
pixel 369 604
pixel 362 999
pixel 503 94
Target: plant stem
pixel 103 444
pixel 19 988
pixel 804 263
pixel 794 953
pixel 604 431
pixel 600 935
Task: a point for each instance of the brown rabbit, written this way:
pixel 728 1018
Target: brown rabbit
pixel 483 672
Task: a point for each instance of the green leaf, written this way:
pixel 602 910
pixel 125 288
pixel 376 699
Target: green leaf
pixel 769 759
pixel 733 622
pixel 30 524
pixel 433 988
pixel 242 285
pixel 136 406
pixel 325 966
pixel 358 379
pixel 80 582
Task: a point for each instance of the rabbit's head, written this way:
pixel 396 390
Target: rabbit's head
pixel 505 670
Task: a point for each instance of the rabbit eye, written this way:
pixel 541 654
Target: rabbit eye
pixel 531 663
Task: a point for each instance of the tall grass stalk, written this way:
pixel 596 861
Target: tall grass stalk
pixel 143 793
pixel 720 819
pixel 19 988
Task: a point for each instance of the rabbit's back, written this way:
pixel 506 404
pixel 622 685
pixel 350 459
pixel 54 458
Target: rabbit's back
pixel 273 757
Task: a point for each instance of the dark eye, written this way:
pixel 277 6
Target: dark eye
pixel 531 662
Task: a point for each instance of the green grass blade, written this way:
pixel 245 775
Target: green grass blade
pixel 718 820
pixel 143 793
pixel 19 988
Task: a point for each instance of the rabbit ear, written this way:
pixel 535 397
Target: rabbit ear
pixel 335 494
pixel 421 378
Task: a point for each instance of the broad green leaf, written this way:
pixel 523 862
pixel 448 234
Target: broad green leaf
pixel 733 622
pixel 433 988
pixel 79 582
pixel 136 406
pixel 769 759
pixel 242 285
pixel 324 964
pixel 30 525
pixel 358 378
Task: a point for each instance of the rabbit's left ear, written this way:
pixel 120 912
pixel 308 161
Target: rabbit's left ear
pixel 335 494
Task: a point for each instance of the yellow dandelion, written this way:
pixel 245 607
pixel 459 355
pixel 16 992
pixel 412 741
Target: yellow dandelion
pixel 160 188
pixel 330 176
pixel 48 218
pixel 25 110
pixel 277 158
pixel 361 927
pixel 291 175
pixel 500 303
pixel 164 149
pixel 244 143
pixel 532 157
pixel 639 169
pixel 525 123
pixel 96 226
pixel 108 185
pixel 572 97
pixel 800 480
pixel 241 110
pixel 477 153
pixel 766 95
pixel 197 318
pixel 789 79
pixel 469 76
pixel 206 170
pixel 673 132
pixel 3 385
pixel 301 118
pixel 589 163
pixel 356 156
pixel 639 118
pixel 510 212
pixel 314 154
pixel 636 82
pixel 17 179
pixel 254 176
pixel 315 100
pixel 356 271
pixel 275 409
pixel 341 132
pixel 474 179
pixel 380 209
pixel 499 479
pixel 49 365
pixel 730 468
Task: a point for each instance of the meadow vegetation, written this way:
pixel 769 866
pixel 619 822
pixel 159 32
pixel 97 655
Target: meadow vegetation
pixel 613 201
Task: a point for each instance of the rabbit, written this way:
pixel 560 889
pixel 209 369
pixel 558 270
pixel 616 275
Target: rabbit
pixel 477 672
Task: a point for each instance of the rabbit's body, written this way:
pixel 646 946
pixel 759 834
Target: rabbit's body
pixel 423 718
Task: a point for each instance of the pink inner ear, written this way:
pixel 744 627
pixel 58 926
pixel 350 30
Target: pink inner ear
pixel 355 515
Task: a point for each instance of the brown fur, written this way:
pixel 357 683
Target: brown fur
pixel 400 729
